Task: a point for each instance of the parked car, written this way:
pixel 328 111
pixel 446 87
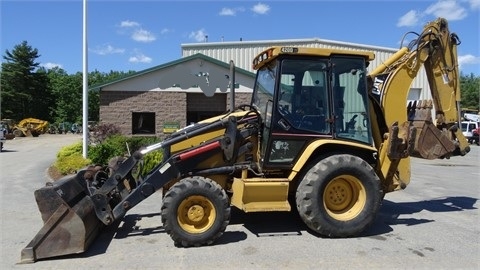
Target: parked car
pixel 64 127
pixel 3 135
pixel 76 128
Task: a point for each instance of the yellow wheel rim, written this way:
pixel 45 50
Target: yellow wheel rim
pixel 196 214
pixel 344 197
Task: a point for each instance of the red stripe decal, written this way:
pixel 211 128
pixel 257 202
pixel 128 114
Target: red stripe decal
pixel 202 149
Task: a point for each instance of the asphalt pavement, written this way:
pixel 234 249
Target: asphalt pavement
pixel 433 224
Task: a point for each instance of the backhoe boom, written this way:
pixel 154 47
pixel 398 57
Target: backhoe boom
pixel 435 49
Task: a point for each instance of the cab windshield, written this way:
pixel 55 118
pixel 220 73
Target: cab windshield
pixel 264 88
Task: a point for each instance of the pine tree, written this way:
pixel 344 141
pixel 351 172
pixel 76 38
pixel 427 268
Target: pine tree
pixel 24 86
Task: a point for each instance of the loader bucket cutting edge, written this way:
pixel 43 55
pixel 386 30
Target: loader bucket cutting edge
pixel 70 222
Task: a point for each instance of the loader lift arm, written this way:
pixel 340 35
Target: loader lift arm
pixel 75 208
pixel 171 168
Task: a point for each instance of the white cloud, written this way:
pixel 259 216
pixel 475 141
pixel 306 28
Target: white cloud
pixel 137 33
pixel 409 19
pixel 106 49
pixel 143 35
pixel 230 11
pixel 51 65
pixel 165 31
pixel 139 58
pixel 227 12
pixel 199 35
pixel 474 4
pixel 128 23
pixel 451 10
pixel 261 8
pixel 448 9
pixel 468 59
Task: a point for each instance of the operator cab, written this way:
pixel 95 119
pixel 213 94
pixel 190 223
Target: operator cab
pixel 307 94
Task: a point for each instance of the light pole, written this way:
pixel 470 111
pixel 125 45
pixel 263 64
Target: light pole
pixel 85 82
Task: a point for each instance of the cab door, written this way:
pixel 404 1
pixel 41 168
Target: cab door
pixel 300 112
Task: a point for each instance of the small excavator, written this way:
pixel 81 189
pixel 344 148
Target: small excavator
pixel 320 134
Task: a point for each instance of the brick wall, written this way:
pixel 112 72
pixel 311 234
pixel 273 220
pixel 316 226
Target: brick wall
pixel 116 107
pixel 240 98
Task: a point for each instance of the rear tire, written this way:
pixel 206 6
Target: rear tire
pixel 339 196
pixel 195 212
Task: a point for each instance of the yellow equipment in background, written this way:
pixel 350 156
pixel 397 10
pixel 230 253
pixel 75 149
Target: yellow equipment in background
pixel 30 127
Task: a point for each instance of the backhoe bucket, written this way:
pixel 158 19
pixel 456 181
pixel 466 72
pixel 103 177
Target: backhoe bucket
pixel 431 143
pixel 70 222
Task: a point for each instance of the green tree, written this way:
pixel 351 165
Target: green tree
pixel 95 77
pixel 470 90
pixel 24 86
pixel 67 91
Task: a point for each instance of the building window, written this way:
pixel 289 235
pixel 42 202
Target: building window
pixel 143 123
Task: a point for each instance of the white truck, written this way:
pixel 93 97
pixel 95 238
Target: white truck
pixel 471 117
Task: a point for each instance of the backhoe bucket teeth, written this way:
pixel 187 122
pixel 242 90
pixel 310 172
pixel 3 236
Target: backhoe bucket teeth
pixel 70 222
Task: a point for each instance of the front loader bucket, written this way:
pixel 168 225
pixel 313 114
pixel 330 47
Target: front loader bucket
pixel 70 222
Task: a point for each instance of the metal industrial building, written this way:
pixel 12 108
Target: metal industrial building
pixel 164 98
pixel 242 52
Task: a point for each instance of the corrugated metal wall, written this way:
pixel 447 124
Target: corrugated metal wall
pixel 243 52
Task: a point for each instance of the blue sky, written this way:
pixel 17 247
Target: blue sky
pixel 135 35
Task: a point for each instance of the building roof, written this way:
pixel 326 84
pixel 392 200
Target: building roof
pixel 286 41
pixel 170 64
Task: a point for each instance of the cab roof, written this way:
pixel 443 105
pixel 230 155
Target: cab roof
pixel 273 52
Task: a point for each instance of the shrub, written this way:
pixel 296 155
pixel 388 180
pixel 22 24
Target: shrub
pixel 71 163
pixel 70 159
pixel 135 143
pixel 69 150
pixel 101 153
pixel 116 145
pixel 102 131
pixel 150 160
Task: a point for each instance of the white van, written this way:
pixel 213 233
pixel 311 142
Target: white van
pixel 467 130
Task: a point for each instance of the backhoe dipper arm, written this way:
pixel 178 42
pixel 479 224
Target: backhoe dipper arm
pixel 435 49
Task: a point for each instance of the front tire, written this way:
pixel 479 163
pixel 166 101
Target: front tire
pixel 18 133
pixel 339 196
pixel 195 212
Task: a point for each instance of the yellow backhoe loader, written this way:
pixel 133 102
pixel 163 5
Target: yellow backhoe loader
pixel 30 127
pixel 320 135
